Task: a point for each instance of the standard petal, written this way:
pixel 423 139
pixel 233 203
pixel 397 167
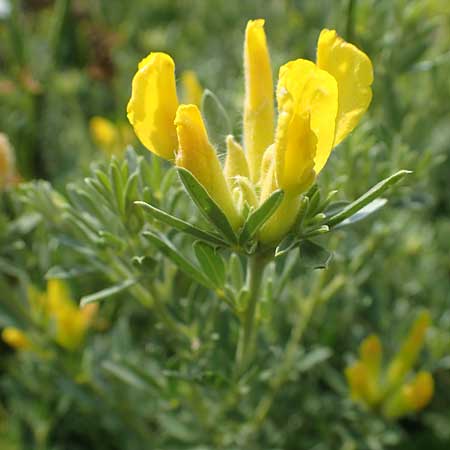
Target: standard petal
pixel 259 101
pixel 353 71
pixel 197 155
pixel 307 108
pixel 153 104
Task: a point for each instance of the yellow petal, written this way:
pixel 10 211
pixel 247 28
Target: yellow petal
pixel 419 392
pixel 410 350
pixel 371 354
pixel 307 107
pixel 409 397
pixel 105 134
pixel 235 162
pixel 358 381
pixel 58 296
pixel 7 161
pixel 153 104
pixel 268 182
pixel 192 89
pixel 353 71
pixel 15 338
pixel 259 102
pixel 197 155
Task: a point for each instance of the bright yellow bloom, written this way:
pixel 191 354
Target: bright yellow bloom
pixel 259 102
pixel 192 89
pixel 387 389
pixel 15 338
pixel 153 105
pixel 197 155
pixel 318 105
pixel 353 72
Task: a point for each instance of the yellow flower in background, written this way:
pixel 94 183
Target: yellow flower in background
pixel 8 174
pixel 153 105
pixel 395 391
pixel 58 315
pixel 319 104
pixel 70 322
pixel 192 89
pixel 15 338
pixel 110 137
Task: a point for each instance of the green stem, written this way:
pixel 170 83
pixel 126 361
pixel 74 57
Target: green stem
pixel 247 333
pixel 350 20
pixel 306 308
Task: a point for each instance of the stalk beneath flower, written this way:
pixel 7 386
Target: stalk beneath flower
pixel 247 333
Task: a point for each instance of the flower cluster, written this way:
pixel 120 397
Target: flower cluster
pixel 319 104
pixel 395 391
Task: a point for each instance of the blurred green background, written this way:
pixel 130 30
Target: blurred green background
pixel 63 62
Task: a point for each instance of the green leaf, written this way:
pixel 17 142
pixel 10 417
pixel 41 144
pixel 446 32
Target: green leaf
pixel 211 263
pixel 367 198
pixel 286 245
pixel 117 185
pixel 216 117
pixel 333 208
pixel 108 292
pixel 167 248
pixel 313 255
pixel 207 206
pixel 180 225
pixel 313 358
pixel 130 191
pixel 259 217
pixel 369 209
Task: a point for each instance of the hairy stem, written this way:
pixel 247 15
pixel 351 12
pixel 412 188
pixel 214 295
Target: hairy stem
pixel 247 333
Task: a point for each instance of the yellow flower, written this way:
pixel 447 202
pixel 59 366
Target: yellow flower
pixel 110 137
pixel 8 174
pixel 192 89
pixel 387 389
pixel 258 106
pixel 198 156
pixel 409 351
pixel 319 104
pixel 15 338
pixel 411 397
pixel 70 322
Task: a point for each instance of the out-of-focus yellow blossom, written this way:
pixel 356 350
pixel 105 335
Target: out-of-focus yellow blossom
pixel 15 338
pixel 8 174
pixel 409 350
pixel 319 104
pixel 110 137
pixel 70 322
pixel 192 89
pixel 394 391
pixel 58 315
pixel 412 397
